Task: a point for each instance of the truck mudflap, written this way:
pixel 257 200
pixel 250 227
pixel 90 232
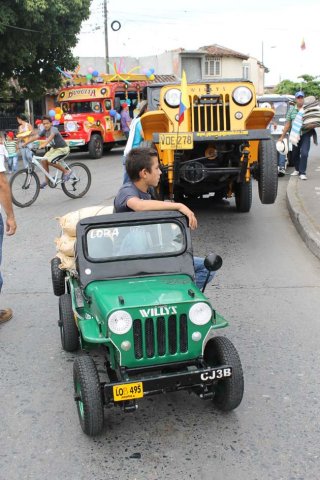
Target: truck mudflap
pixel 198 379
pixel 186 140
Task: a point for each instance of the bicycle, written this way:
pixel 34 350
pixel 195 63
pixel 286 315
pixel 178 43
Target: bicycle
pixel 25 183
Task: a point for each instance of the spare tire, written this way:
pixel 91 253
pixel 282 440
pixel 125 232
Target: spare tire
pixel 268 171
pixel 58 277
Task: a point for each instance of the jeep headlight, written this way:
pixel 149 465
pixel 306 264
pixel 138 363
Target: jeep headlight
pixel 71 126
pixel 172 97
pixel 120 322
pixel 242 95
pixel 200 313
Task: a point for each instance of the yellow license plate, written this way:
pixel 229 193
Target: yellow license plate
pixel 127 391
pixel 174 141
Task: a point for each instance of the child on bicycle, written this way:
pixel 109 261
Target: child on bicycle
pixel 58 147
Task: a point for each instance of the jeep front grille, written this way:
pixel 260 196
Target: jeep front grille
pixel 160 336
pixel 210 115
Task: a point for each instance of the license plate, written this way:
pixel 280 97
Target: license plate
pixel 127 391
pixel 176 141
pixel 216 374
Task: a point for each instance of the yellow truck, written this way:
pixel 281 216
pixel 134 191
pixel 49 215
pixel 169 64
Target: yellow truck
pixel 221 144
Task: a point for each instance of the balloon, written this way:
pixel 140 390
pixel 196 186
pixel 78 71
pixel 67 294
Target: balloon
pixel 58 110
pixel 95 73
pixel 55 122
pixel 118 116
pixel 113 113
pixel 151 77
pixel 89 76
pixel 52 113
pixel 90 119
pixel 151 70
pixel 57 116
pixel 90 69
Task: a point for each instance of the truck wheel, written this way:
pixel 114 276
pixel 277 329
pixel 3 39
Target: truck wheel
pixel 68 328
pixel 268 172
pixel 228 392
pixel 87 394
pixel 243 195
pixel 95 146
pixel 58 277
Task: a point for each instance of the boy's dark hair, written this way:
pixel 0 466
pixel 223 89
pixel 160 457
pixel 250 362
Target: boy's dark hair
pixel 139 159
pixel 23 117
pixel 46 117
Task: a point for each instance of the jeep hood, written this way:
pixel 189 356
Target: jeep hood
pixel 109 295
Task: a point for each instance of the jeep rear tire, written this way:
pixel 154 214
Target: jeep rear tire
pixel 58 277
pixel 268 172
pixel 87 394
pixel 95 146
pixel 243 196
pixel 68 328
pixel 228 392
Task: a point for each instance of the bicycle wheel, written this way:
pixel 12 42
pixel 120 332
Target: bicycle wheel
pixel 80 181
pixel 25 188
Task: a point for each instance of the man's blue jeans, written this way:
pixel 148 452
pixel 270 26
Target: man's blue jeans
pixel 1 240
pixel 301 151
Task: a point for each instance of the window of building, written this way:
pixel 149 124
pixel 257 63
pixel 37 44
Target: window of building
pixel 212 67
pixel 245 72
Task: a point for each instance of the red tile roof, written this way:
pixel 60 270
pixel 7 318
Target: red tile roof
pixel 219 51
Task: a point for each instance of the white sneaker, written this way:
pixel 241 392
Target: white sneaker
pixel 281 172
pixel 295 173
pixel 303 177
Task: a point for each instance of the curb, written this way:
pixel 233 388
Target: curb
pixel 301 219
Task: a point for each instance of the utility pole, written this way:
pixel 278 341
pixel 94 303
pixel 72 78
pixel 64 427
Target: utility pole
pixel 106 35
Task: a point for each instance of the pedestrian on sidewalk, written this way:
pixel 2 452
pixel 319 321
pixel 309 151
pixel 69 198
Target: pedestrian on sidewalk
pixel 11 146
pixel 300 151
pixel 6 203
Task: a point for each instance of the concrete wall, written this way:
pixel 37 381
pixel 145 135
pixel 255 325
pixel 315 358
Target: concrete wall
pixel 192 67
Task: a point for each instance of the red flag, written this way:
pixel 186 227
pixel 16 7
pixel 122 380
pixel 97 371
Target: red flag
pixel 303 45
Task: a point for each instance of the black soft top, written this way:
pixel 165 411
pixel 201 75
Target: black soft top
pixel 134 266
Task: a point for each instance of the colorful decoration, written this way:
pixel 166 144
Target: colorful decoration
pixel 58 110
pixel 90 69
pixel 113 113
pixel 90 119
pixel 52 113
pixel 89 76
pixel 57 116
pixel 65 74
pixel 95 73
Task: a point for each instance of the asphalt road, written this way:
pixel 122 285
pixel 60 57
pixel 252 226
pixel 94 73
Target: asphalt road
pixel 268 288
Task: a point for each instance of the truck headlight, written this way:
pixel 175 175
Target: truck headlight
pixel 120 322
pixel 242 95
pixel 200 313
pixel 71 126
pixel 172 97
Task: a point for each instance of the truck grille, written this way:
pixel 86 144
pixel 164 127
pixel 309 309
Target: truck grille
pixel 160 336
pixel 211 116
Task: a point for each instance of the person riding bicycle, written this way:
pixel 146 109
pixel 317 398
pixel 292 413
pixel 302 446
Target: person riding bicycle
pixel 58 147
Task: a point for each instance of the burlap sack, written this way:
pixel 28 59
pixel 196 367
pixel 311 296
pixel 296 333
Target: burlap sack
pixel 69 221
pixel 67 263
pixel 65 244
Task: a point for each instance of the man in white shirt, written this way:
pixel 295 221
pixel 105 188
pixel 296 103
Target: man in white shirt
pixel 10 224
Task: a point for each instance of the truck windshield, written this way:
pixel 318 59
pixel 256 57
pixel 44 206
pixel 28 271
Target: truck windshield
pixel 84 107
pixel 151 240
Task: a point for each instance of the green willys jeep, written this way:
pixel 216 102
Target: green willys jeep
pixel 133 294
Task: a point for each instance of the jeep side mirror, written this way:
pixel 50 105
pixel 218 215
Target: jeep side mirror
pixel 213 262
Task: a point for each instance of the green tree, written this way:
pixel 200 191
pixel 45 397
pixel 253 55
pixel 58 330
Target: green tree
pixel 31 58
pixel 309 85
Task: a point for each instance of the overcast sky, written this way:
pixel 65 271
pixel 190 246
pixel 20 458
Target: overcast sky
pixel 275 27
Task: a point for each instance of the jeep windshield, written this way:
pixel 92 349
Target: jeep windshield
pixel 147 240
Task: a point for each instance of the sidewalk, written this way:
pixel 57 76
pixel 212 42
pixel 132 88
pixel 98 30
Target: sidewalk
pixel 303 201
